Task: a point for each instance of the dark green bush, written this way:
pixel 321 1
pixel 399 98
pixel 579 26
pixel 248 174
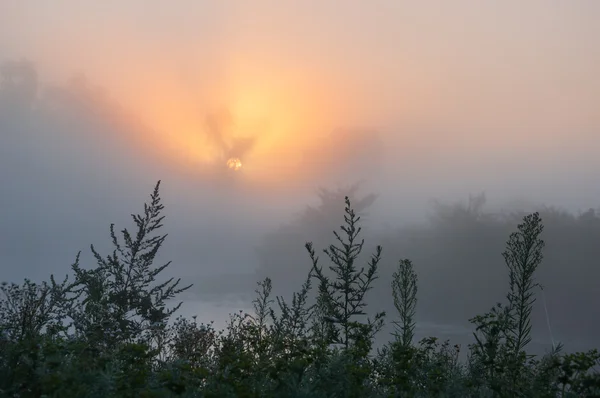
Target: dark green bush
pixel 107 333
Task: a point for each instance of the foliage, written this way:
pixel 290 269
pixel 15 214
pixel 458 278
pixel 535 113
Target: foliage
pixel 404 291
pixel 312 223
pixel 108 332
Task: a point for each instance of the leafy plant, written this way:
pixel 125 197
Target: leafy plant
pixel 120 301
pixel 343 297
pixel 107 333
pixel 404 291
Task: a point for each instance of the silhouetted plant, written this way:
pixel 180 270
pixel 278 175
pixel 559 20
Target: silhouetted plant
pixel 106 334
pixel 503 333
pixel 314 222
pixel 121 302
pixel 344 296
pixel 404 291
pixel 523 255
pixel 31 315
pixel 341 299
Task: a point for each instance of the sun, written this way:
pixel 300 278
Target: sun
pixel 234 164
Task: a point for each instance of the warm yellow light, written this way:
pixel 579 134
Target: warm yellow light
pixel 234 164
pixel 274 114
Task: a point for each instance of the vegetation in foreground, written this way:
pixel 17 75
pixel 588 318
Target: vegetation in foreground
pixel 108 332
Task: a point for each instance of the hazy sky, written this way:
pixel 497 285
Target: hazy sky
pixel 422 99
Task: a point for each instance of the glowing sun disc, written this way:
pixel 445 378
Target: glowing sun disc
pixel 234 164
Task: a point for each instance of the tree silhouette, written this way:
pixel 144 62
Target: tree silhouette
pixel 282 258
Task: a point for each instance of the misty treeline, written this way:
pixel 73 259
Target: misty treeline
pixel 79 120
pixel 75 114
pixel 457 255
pixel 113 330
pixel 52 134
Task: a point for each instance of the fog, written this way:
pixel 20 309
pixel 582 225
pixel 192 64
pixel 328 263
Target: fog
pixel 421 105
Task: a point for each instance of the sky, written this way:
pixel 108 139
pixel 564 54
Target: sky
pixel 419 100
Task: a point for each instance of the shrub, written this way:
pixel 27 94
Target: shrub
pixel 107 332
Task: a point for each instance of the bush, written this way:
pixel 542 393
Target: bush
pixel 107 333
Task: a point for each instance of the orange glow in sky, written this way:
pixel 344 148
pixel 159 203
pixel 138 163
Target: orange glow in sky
pixel 284 113
pixel 444 83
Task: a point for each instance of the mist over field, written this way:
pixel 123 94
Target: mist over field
pixel 444 124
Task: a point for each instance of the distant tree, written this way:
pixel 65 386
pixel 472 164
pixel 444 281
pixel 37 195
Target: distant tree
pixel 279 255
pixel 18 85
pixel 460 214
